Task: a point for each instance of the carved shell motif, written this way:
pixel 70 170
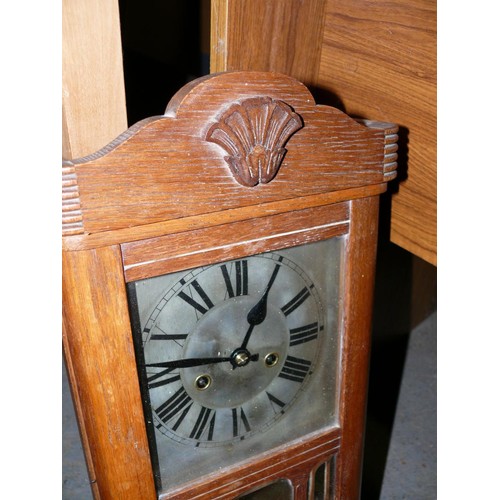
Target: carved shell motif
pixel 254 132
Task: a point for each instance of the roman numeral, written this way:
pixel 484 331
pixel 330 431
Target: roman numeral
pixel 295 369
pixel 303 334
pixel 237 427
pixel 177 405
pixel 201 307
pixel 173 378
pixel 204 423
pixel 175 337
pixel 275 402
pixel 168 336
pixel 289 307
pixel 240 281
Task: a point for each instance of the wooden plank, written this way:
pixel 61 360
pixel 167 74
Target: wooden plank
pixel 282 36
pixel 94 110
pixel 88 241
pixel 379 59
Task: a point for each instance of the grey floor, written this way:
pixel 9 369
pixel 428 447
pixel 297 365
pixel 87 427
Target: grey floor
pixel 400 449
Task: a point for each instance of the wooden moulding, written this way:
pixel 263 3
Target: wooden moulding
pixel 170 253
pixel 140 178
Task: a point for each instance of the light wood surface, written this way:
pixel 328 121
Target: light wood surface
pixel 380 60
pixel 263 35
pixel 94 110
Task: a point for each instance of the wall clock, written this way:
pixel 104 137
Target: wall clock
pixel 218 266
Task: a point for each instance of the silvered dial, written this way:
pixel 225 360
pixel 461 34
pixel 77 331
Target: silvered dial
pixel 230 347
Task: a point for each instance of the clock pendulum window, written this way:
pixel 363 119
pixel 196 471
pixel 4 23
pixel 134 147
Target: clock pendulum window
pixel 218 267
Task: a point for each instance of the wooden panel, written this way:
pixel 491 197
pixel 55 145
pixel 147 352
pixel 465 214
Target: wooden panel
pixel 379 58
pixel 129 182
pixel 94 109
pixel 263 35
pixel 98 338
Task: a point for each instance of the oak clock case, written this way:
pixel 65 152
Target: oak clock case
pixel 218 268
pixel 238 357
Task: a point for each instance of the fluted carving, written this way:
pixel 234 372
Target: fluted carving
pixel 254 132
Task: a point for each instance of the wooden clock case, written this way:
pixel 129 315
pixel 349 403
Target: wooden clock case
pixel 177 191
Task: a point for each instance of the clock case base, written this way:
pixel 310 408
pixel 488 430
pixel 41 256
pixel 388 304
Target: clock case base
pixel 105 218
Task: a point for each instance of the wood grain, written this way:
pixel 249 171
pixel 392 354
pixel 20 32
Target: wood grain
pixel 174 226
pixel 94 109
pixel 379 59
pixel 259 35
pixel 98 337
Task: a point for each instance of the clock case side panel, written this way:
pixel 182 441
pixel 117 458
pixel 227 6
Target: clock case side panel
pixel 359 279
pixel 98 341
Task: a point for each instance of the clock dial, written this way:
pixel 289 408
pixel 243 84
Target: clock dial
pixel 238 357
pixel 230 347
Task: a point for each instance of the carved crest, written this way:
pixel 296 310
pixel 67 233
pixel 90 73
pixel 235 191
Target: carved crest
pixel 254 133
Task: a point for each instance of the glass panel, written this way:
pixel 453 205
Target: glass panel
pixel 321 482
pixel 238 357
pixel 318 492
pixel 280 490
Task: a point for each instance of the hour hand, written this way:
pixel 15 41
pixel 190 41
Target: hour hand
pixel 258 312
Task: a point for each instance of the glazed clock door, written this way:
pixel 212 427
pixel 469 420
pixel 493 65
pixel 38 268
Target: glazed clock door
pixel 238 357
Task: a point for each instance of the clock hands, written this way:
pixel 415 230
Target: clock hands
pixel 258 312
pixel 240 357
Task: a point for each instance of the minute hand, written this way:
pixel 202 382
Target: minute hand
pixel 188 363
pixel 258 312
